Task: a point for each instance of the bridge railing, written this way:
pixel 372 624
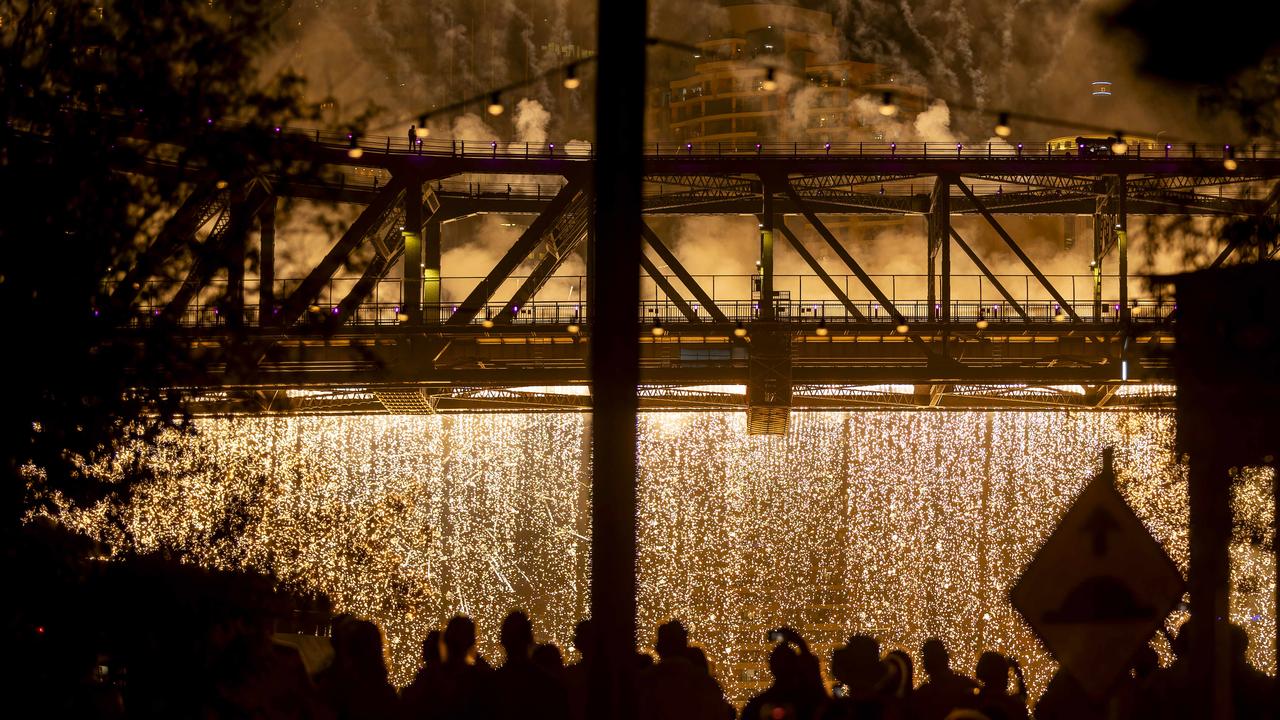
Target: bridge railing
pixel 797 298
pixel 578 149
pixel 744 311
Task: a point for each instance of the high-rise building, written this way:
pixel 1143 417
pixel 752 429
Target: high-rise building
pixel 778 74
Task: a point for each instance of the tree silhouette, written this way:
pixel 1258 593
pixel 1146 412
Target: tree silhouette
pixel 92 94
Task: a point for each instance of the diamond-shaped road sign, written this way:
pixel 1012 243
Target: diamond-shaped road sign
pixel 1099 587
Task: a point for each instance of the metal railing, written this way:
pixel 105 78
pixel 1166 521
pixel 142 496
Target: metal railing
pixel 582 150
pixel 797 298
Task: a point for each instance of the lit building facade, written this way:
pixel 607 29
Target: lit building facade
pixel 777 75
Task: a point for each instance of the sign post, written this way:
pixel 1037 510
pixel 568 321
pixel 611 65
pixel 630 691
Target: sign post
pixel 1099 587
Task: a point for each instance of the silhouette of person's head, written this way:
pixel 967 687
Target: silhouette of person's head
pixel 993 671
pixel 459 638
pixel 431 649
pixel 516 635
pixel 902 670
pixel 784 664
pixel 857 664
pixel 362 649
pixel 936 660
pixel 547 657
pixel 673 640
pixel 698 658
pixel 584 638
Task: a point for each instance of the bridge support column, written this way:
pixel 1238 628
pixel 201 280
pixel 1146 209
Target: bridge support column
pixel 1122 247
pixel 764 271
pixel 411 285
pixel 939 220
pixel 237 240
pixel 431 234
pixel 1100 221
pixel 1105 221
pixel 267 262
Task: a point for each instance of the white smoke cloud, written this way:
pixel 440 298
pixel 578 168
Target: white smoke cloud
pixel 531 121
pixel 469 126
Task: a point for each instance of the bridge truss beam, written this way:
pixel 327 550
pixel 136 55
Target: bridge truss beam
pixel 453 361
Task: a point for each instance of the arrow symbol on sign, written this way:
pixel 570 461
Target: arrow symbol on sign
pixel 1098 525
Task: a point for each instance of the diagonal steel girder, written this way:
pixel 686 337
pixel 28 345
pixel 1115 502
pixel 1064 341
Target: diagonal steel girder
pixel 1259 215
pixel 569 231
pixel 991 220
pixel 843 254
pixel 479 297
pixel 212 254
pixel 990 276
pixel 1272 199
pixel 390 248
pixel 668 289
pixel 818 270
pixel 672 262
pixel 370 219
pixel 201 205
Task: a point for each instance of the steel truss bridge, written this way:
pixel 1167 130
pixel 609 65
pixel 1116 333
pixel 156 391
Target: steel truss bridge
pixel 386 340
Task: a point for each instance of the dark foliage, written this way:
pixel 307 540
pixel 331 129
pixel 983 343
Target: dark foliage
pixel 95 96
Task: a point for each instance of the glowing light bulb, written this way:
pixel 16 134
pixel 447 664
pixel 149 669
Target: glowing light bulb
pixel 422 131
pixel 658 330
pixel 739 330
pixel 887 106
pixel 822 329
pixel 495 105
pixel 982 323
pixel 1119 147
pixel 1230 164
pixel 573 328
pixel 1002 126
pixel 571 80
pixel 903 328
pixel 770 82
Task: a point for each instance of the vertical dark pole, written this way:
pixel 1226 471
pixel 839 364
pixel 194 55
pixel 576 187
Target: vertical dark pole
pixel 238 237
pixel 1100 230
pixel 431 231
pixel 1208 581
pixel 267 262
pixel 766 255
pixel 931 293
pixel 615 351
pixel 411 287
pixel 939 231
pixel 942 206
pixel 1122 247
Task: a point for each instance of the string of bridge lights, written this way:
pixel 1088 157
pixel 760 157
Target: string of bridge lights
pixel 570 78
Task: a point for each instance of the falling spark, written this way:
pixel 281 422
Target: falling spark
pixel 904 525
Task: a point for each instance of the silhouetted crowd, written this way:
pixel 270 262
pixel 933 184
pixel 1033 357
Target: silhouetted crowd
pixel 533 682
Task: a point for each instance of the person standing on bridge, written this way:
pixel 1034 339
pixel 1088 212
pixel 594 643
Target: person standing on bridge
pixel 413 136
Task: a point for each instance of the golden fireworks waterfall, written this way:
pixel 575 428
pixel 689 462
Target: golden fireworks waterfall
pixel 903 525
